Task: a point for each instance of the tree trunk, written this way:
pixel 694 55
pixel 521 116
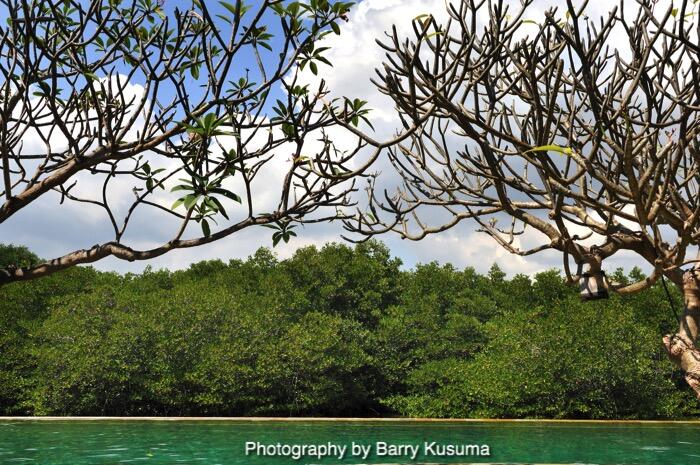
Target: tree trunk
pixel 681 346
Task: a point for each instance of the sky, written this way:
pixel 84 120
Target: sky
pixel 50 231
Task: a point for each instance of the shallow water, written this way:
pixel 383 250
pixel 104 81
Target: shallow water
pixel 216 442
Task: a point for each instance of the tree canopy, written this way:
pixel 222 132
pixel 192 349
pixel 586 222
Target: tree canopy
pixel 335 331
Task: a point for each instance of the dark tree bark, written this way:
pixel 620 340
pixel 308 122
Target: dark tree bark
pixel 681 346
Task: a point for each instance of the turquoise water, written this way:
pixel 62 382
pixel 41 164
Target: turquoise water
pixel 216 442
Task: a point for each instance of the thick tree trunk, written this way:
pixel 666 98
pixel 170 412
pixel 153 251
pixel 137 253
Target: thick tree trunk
pixel 681 346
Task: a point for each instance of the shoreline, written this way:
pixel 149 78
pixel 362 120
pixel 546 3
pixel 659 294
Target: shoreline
pixel 341 419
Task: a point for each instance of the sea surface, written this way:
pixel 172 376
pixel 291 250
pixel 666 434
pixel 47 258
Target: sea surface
pixel 78 442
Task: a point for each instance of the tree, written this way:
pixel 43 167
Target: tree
pixel 114 105
pixel 215 339
pixel 23 309
pixel 253 337
pixel 17 255
pixel 582 129
pixel 558 358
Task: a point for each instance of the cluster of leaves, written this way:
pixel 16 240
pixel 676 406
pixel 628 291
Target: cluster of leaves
pixel 282 231
pixel 336 331
pixel 355 110
pixel 202 190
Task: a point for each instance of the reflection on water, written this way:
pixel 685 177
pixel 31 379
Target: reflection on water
pixel 163 442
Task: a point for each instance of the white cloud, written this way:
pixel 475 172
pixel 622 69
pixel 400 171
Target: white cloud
pixel 463 247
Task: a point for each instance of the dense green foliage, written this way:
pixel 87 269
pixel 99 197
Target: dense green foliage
pixel 337 331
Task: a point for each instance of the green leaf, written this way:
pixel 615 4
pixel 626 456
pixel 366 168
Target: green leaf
pixel 224 18
pixel 190 200
pixel 227 194
pixel 229 7
pixel 182 187
pixel 194 71
pixel 313 67
pixel 552 148
pixel 219 206
pixel 177 203
pixel 205 228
